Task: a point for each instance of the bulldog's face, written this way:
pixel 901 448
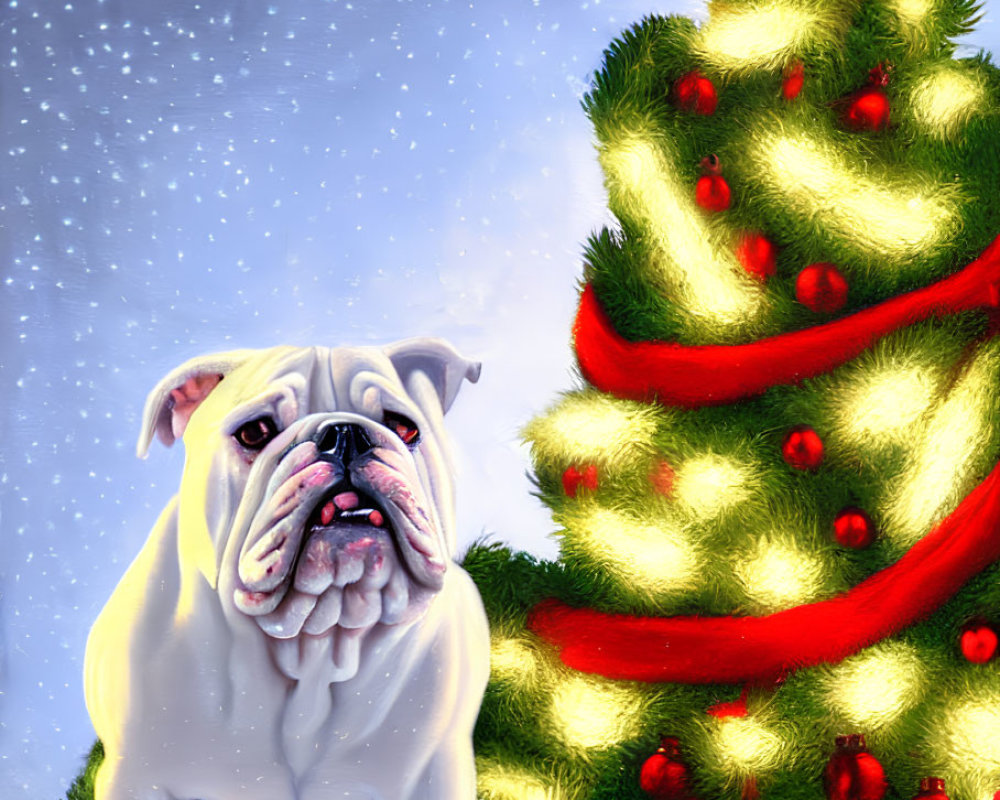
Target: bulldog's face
pixel 316 496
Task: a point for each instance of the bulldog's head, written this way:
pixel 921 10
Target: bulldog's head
pixel 316 496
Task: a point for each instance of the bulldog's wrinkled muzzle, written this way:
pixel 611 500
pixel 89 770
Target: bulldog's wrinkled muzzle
pixel 344 536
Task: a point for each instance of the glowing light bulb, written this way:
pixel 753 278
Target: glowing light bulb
pixel 709 484
pixel 765 35
pixel 968 741
pixel 498 781
pixel 912 13
pixel 513 659
pixel 594 428
pixel 874 688
pixel 898 216
pixel 945 99
pixel 701 278
pixel 881 405
pixel 945 454
pixel 654 558
pixel 777 575
pixel 745 745
pixel 591 713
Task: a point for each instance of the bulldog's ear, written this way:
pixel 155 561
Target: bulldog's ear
pixel 174 399
pixel 439 361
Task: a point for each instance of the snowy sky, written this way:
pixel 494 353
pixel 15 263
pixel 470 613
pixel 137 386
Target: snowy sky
pixel 185 177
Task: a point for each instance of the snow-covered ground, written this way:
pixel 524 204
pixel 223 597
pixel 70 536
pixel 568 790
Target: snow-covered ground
pixel 184 177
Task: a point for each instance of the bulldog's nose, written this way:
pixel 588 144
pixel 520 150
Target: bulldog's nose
pixel 342 442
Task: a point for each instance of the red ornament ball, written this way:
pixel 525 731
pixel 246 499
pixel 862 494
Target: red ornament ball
pixel 794 79
pixel 853 528
pixel 664 776
pixel 931 789
pixel 852 773
pixel 868 110
pixel 662 477
pixel 712 193
pixel 573 478
pixel 821 288
pixel 695 92
pixel 758 255
pixel 978 642
pixel 802 448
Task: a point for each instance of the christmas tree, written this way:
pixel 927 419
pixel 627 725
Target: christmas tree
pixel 776 486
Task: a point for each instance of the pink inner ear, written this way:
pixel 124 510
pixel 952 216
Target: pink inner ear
pixel 187 397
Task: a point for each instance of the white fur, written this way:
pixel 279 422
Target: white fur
pixel 194 701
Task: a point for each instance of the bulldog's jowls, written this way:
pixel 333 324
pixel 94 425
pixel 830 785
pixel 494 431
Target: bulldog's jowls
pixel 294 627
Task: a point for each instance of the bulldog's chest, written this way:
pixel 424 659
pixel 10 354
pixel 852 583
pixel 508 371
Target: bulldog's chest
pixel 252 732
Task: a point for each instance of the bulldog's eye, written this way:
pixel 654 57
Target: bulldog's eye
pixel 256 433
pixel 405 428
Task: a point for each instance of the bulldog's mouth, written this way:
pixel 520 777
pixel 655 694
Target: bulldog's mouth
pixel 345 540
pixel 348 506
pixel 322 556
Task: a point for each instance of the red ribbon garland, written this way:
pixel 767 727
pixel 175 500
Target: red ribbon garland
pixel 731 649
pixel 708 375
pixel 742 649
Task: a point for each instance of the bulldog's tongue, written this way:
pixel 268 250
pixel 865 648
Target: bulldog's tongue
pixel 344 506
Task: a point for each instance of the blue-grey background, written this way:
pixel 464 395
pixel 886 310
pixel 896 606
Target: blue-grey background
pixel 183 177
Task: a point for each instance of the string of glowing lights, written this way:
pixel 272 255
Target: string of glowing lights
pixel 945 455
pixel 765 35
pixel 896 216
pixel 700 275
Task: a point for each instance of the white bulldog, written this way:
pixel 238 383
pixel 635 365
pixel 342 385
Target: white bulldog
pixel 294 628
